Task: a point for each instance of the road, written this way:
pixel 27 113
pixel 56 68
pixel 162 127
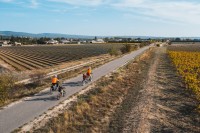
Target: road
pixel 18 114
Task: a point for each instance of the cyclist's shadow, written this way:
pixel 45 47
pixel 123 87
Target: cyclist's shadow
pixel 72 84
pixel 39 98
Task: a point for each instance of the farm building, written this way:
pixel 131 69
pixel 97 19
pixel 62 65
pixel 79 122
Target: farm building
pixel 17 44
pixel 97 41
pixel 4 43
pixel 52 41
pixel 64 41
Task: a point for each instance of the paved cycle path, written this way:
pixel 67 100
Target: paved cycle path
pixel 20 113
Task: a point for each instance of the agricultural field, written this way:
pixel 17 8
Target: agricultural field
pixel 147 95
pixel 38 57
pixel 185 43
pixel 186 58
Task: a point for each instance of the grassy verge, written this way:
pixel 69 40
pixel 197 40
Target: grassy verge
pixel 92 111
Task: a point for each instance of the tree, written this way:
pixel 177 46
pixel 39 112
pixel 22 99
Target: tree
pixel 58 39
pixel 106 39
pixel 12 39
pixel 177 39
pixel 113 51
pixel 95 38
pixel 42 40
pixel 127 48
pixel 129 39
pixel 34 41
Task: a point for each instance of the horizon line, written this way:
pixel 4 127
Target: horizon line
pixel 102 35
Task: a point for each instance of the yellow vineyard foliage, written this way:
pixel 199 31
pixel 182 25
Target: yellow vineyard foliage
pixel 188 66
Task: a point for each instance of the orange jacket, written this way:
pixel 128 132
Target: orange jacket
pixel 89 71
pixel 54 80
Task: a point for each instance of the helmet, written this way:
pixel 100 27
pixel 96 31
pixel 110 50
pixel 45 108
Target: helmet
pixel 55 76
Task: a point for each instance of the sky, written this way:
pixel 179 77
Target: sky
pixel 163 18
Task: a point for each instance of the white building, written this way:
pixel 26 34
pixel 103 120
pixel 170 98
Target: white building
pixel 97 41
pixel 64 41
pixel 17 44
pixel 52 41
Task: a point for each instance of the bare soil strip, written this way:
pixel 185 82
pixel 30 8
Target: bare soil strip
pixel 161 104
pixel 6 66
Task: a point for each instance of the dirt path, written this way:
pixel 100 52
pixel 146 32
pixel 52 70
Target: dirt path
pixel 159 102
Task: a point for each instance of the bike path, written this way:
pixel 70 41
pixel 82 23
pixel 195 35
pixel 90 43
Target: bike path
pixel 23 112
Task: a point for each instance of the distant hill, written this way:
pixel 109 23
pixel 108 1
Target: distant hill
pixel 49 35
pixel 55 35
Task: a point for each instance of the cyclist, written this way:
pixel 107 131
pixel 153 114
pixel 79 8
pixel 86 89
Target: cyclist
pixel 55 81
pixel 84 77
pixel 61 92
pixel 89 72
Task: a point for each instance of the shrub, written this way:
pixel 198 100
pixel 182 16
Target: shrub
pixel 158 45
pixel 7 82
pixel 113 51
pixel 38 76
pixel 127 48
pixel 143 44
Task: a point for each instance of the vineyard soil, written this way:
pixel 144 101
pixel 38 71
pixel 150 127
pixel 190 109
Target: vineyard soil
pixel 38 57
pixel 6 66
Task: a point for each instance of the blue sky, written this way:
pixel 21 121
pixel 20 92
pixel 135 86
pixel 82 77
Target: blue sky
pixel 168 18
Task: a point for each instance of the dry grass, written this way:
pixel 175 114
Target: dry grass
pixel 38 76
pixel 83 115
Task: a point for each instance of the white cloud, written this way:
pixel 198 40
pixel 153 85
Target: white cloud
pixel 27 3
pixel 34 4
pixel 59 10
pixel 6 1
pixel 176 11
pixel 179 11
pixel 81 2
